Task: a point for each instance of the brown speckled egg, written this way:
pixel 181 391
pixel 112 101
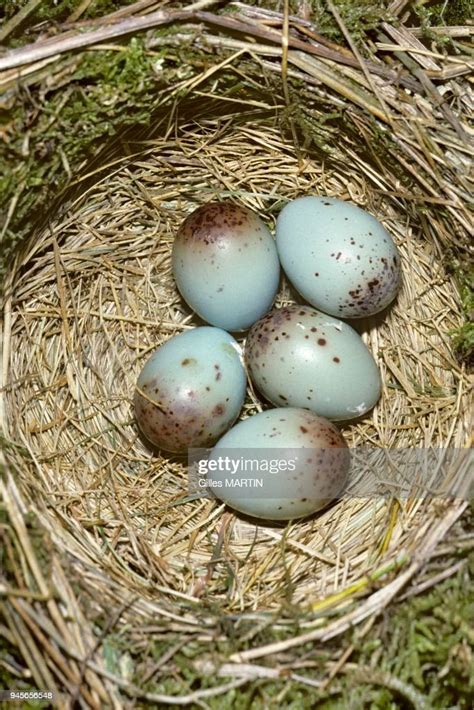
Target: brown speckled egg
pixel 339 257
pixel 280 464
pixel 300 357
pixel 225 265
pixel 191 390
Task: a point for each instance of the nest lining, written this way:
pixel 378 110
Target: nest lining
pixel 94 295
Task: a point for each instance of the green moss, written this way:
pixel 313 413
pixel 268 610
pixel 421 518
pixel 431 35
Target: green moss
pixel 440 12
pixel 358 17
pixel 463 337
pixel 422 644
pixel 39 541
pixel 108 91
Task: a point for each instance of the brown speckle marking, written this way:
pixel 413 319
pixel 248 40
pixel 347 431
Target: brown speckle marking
pixel 303 429
pixel 321 341
pixel 214 222
pixel 336 359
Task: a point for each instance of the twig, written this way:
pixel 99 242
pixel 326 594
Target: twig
pixel 388 118
pixel 251 672
pixel 397 7
pixel 429 88
pixel 371 605
pixel 449 31
pixel 371 676
pixel 423 586
pixel 17 19
pixel 67 42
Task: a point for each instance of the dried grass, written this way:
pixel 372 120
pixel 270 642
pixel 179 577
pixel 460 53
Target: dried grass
pixel 92 295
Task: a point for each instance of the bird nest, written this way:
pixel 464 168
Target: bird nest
pixel 90 295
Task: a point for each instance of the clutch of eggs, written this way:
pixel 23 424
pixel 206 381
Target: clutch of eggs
pixel 312 366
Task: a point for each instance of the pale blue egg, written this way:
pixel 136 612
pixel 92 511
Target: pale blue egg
pixel 191 390
pixel 280 464
pixel 339 257
pixel 226 265
pixel 300 357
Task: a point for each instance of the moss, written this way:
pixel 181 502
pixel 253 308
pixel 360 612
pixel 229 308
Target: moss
pixel 359 17
pixel 463 337
pixel 108 91
pixel 39 540
pixel 424 644
pixel 440 12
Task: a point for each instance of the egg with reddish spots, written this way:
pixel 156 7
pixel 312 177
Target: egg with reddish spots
pixel 225 265
pixel 338 256
pixel 300 357
pixel 280 464
pixel 191 390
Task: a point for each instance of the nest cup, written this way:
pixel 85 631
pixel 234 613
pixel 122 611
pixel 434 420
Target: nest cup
pixel 91 294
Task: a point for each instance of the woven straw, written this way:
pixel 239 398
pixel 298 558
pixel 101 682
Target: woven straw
pixel 91 295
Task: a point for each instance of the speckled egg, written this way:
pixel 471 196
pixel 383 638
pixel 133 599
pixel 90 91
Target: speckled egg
pixel 339 257
pixel 300 357
pixel 281 464
pixel 190 390
pixel 226 265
